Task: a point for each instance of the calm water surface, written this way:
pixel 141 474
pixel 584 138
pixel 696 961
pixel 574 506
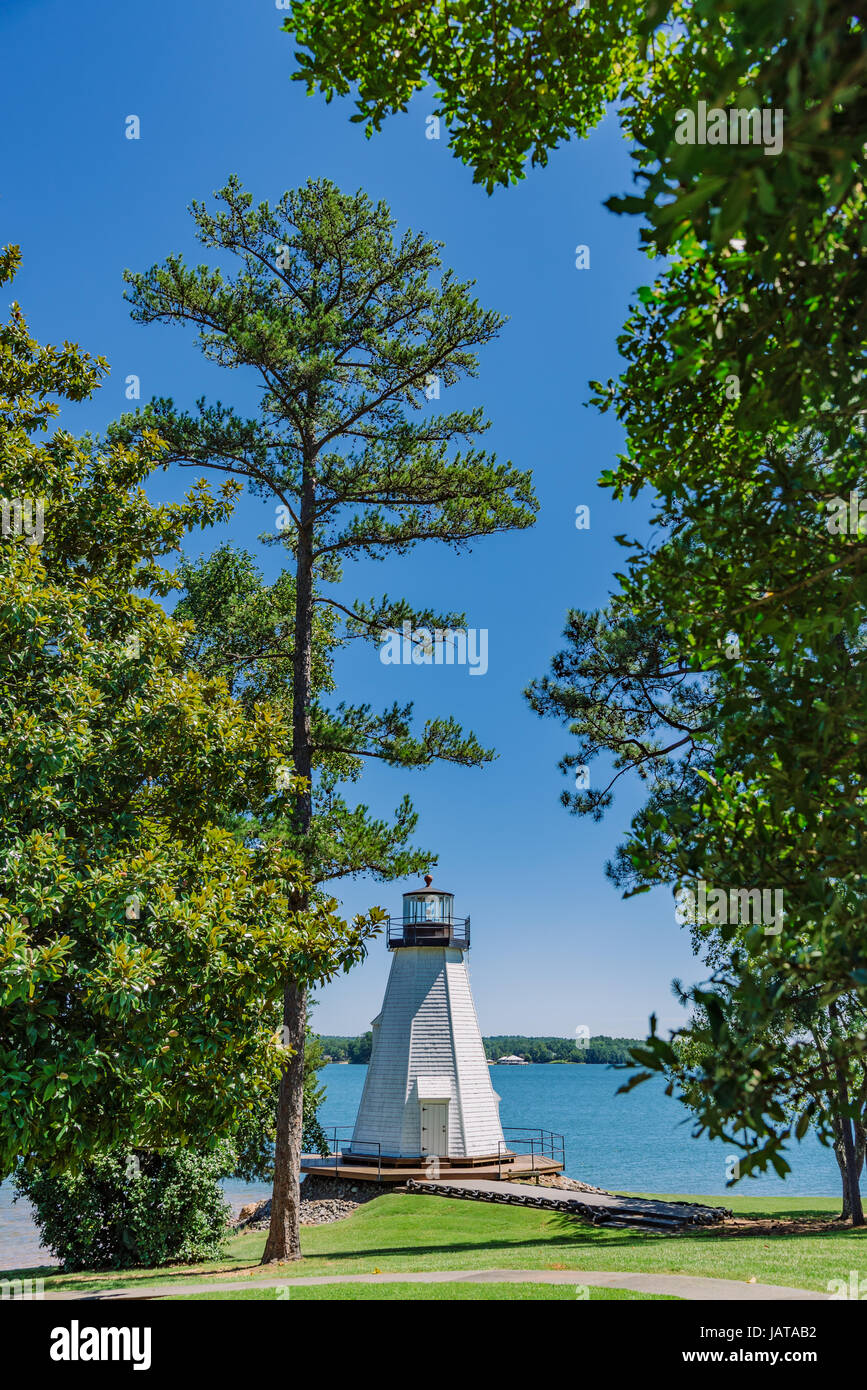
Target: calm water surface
pixel 635 1142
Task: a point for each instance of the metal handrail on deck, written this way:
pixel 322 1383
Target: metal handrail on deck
pixel 337 1153
pixel 546 1142
pixel 372 1143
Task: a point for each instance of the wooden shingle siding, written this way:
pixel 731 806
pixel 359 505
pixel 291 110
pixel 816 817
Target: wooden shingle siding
pixel 427 1027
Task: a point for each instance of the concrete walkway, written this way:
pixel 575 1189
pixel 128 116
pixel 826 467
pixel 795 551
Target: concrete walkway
pixel 599 1208
pixel 686 1286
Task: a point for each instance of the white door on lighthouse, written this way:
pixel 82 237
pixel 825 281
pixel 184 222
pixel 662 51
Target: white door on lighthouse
pixel 434 1129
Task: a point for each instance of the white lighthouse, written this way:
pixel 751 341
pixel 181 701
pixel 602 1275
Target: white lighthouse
pixel 428 1089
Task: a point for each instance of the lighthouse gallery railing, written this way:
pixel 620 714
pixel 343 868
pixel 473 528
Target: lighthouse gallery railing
pixel 449 931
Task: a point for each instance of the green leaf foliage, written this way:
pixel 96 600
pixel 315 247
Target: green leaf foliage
pixel 143 944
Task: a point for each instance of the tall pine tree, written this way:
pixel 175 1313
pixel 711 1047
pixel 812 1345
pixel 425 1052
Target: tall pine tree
pixel 353 339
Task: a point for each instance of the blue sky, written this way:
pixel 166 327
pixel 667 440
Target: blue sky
pixel 554 946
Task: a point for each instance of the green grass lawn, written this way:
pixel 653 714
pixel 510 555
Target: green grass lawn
pixel 416 1232
pixel 428 1293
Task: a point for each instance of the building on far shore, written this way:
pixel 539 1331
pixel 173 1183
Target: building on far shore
pixel 512 1061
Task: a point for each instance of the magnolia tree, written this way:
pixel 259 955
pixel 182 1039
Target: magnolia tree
pixel 143 945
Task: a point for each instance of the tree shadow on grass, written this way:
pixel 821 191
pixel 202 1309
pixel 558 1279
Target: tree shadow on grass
pixel 782 1228
pixel 30 1272
pixel 84 1281
pixel 563 1232
pixel 570 1235
pixel 743 1224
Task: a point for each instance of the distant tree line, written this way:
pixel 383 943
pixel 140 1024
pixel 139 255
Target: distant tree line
pixel 347 1049
pixel 600 1049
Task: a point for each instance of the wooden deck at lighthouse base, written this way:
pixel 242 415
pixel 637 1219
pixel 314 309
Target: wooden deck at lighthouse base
pixel 519 1166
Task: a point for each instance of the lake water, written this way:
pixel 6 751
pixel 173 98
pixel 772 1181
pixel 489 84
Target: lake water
pixel 635 1142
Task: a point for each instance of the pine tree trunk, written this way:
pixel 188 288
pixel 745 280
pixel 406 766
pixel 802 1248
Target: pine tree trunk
pixel 284 1236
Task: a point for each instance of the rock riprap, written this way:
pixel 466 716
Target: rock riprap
pixel 322 1200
